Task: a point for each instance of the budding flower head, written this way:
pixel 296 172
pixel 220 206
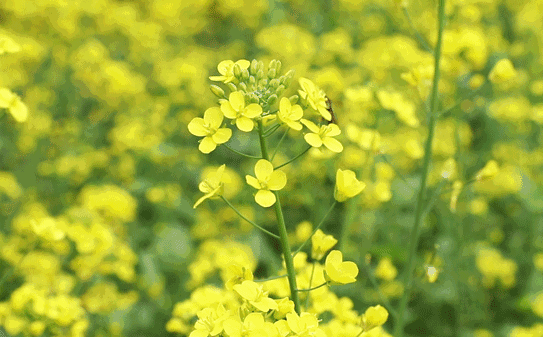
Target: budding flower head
pixel 227 70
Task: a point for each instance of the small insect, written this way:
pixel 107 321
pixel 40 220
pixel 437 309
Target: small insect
pixel 330 110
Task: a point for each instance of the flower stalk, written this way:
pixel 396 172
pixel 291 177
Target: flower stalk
pixel 285 246
pixel 414 237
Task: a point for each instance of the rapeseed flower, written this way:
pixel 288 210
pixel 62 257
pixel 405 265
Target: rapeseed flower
pixel 290 114
pixel 373 317
pixel 13 103
pixel 226 69
pixel 255 295
pixel 209 127
pixel 243 115
pixel 212 185
pixel 323 135
pixel 253 326
pixel 266 181
pixel 315 97
pixel 210 322
pixel 347 186
pixel 320 244
pixel 337 271
pixel 502 72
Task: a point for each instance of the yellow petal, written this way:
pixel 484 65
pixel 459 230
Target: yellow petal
pixel 237 100
pixel 265 198
pixel 278 180
pixel 253 182
pixel 245 124
pixel 222 135
pixel 313 139
pixel 207 145
pixel 228 110
pixel 263 169
pixel 332 144
pixel 213 117
pixel 197 128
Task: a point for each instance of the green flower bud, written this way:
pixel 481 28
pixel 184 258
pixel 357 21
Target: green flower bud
pixel 253 98
pixel 280 89
pixel 278 66
pixel 272 64
pixel 237 71
pixel 252 80
pixel 274 83
pixel 254 67
pixel 232 86
pixel 272 73
pixel 243 86
pixel 245 74
pixel 272 100
pixel 217 91
pixel 294 99
pixel 260 73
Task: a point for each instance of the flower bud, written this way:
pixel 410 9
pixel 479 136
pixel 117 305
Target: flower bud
pixel 272 99
pixel 217 91
pixel 294 99
pixel 252 80
pixel 237 71
pixel 254 67
pixel 243 86
pixel 260 73
pixel 232 86
pixel 280 89
pixel 274 83
pixel 245 74
pixel 272 64
pixel 278 66
pixel 272 73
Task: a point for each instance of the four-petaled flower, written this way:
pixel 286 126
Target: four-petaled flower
pixel 266 181
pixel 254 294
pixel 235 108
pixel 323 136
pixel 338 272
pixel 315 97
pixel 212 185
pixel 290 114
pixel 347 186
pixel 209 127
pixel 210 322
pixel 226 69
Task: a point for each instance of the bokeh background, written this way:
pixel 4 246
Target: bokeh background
pixel 97 185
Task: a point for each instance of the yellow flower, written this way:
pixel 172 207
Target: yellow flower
pixel 266 181
pixel 11 101
pixel 209 127
pixel 255 295
pixel 235 108
pixel 320 244
pixel 303 325
pixel 7 45
pixel 385 270
pixel 323 136
pixel 489 171
pixel 290 114
pixel 373 317
pixel 337 271
pixel 315 97
pixel 210 322
pixel 253 326
pixel 212 185
pixel 347 186
pixel 502 72
pixel 226 69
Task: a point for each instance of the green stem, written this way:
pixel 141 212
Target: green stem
pixel 416 32
pixel 413 242
pixel 249 221
pixel 382 296
pixel 293 159
pixel 279 144
pixel 240 153
pixel 316 228
pixel 317 287
pixel 285 246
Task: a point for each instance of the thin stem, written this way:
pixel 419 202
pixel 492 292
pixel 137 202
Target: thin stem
pixel 382 297
pixel 310 280
pixel 413 242
pixel 271 278
pixel 415 30
pixel 293 159
pixel 271 130
pixel 316 228
pixel 241 153
pixel 279 144
pixel 317 287
pixel 285 246
pixel 455 105
pixel 249 221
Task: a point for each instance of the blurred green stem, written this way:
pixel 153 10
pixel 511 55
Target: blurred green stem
pixel 414 238
pixel 285 246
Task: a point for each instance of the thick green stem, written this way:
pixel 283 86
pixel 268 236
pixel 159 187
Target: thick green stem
pixel 413 242
pixel 285 246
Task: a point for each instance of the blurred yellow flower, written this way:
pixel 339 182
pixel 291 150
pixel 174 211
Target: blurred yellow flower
pixel 13 103
pixel 320 244
pixel 373 317
pixel 212 185
pixel 315 97
pixel 502 72
pixel 347 186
